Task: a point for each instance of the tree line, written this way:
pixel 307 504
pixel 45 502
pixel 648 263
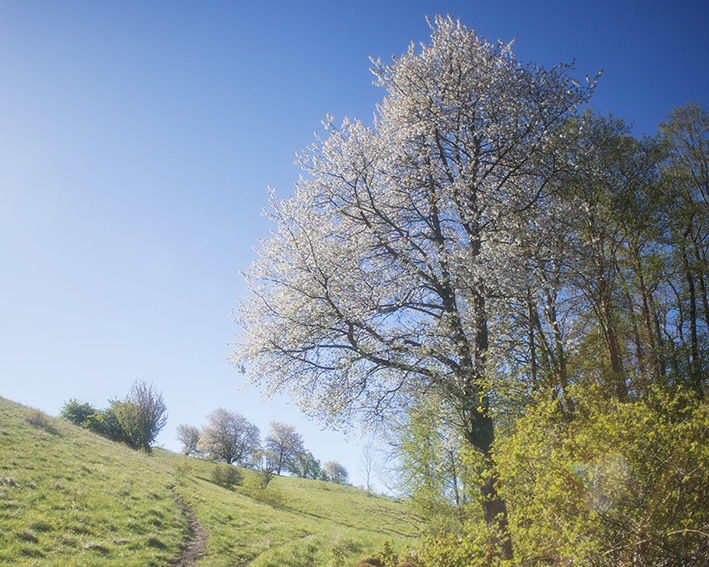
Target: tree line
pixel 518 288
pixel 231 438
pixel 135 420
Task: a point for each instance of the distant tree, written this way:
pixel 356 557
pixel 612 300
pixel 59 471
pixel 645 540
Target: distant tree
pixel 305 465
pixel 336 473
pixel 136 420
pixel 285 445
pixel 367 464
pixel 263 464
pixel 142 415
pixel 188 435
pixel 230 437
pixel 685 133
pixel 430 453
pixel 77 412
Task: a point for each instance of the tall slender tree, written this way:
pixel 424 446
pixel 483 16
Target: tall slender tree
pixel 686 134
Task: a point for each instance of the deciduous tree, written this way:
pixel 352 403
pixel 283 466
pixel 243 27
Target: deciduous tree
pixel 432 472
pixel 188 435
pixel 335 472
pixel 305 465
pixel 285 445
pixel 142 415
pixel 685 132
pixel 230 437
pixel 383 274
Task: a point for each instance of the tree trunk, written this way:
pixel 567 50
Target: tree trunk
pixel 480 433
pixel 559 356
pixel 701 271
pixel 639 350
pixel 609 331
pixel 531 314
pixel 695 365
pixel 653 341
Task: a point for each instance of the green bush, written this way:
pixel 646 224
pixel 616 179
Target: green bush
pixel 619 484
pixel 268 494
pixel 77 412
pixel 105 422
pixel 465 549
pixel 135 421
pixel 227 476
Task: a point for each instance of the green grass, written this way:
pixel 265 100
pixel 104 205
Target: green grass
pixel 71 498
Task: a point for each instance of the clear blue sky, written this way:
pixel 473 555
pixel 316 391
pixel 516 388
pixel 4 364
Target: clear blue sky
pixel 137 141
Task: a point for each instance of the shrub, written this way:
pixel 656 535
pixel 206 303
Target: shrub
pixel 77 412
pixel 619 484
pixel 38 419
pixel 183 469
pixel 135 421
pixel 227 476
pixel 385 556
pixel 105 422
pixel 269 494
pixel 142 415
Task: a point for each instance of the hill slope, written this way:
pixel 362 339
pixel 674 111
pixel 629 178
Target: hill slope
pixel 69 497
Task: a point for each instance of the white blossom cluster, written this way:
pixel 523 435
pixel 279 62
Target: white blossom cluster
pixel 388 266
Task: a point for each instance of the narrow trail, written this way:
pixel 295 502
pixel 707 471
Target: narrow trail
pixel 197 547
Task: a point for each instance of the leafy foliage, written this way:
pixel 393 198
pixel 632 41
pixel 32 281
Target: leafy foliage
pixel 76 412
pixel 227 476
pixel 436 470
pixel 620 484
pixel 135 421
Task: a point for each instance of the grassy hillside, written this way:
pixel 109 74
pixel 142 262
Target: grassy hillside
pixel 69 497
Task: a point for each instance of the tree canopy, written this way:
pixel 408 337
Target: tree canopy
pixel 285 446
pixel 381 278
pixel 488 245
pixel 229 437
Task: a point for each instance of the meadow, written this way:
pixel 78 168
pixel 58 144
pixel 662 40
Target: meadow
pixel 69 497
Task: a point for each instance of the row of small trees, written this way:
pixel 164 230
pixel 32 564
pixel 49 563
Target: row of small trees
pixel 135 420
pixel 231 438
